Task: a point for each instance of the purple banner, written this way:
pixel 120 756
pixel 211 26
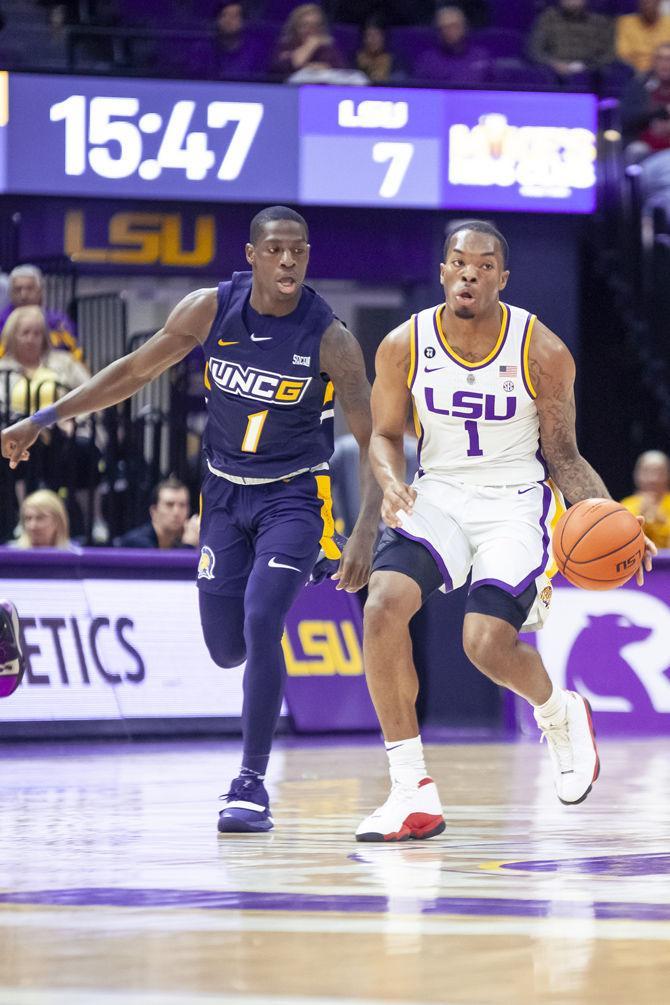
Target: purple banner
pixel 613 648
pixel 323 646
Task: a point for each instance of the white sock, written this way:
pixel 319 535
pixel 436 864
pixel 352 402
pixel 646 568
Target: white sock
pixel 406 763
pixel 555 708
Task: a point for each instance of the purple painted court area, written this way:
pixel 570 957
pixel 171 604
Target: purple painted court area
pixel 609 865
pixel 240 900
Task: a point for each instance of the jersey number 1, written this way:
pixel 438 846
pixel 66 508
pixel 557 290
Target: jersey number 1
pixel 474 450
pixel 252 435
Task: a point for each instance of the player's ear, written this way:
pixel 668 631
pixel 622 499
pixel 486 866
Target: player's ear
pixel 249 253
pixel 442 270
pixel 503 279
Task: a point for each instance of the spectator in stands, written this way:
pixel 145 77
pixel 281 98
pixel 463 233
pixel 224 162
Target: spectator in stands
pixel 373 58
pixel 169 525
pixel 573 41
pixel 453 59
pixel 306 43
pixel 651 477
pixel 26 288
pixel 645 109
pixel 235 55
pixel 44 522
pixel 638 36
pixel 30 364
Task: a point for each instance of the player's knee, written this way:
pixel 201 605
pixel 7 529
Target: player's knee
pixel 226 653
pixel 485 646
pixel 262 623
pixel 385 612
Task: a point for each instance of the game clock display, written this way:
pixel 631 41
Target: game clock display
pixel 337 146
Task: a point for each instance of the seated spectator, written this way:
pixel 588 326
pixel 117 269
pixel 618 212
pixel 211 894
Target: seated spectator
pixel 306 43
pixel 169 525
pixel 44 522
pixel 651 478
pixel 373 58
pixel 638 36
pixel 26 288
pixel 233 53
pixel 31 365
pixel 453 58
pixel 645 109
pixel 573 41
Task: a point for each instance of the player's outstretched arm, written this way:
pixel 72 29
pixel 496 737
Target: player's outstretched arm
pixel 390 408
pixel 342 360
pixel 552 372
pixel 186 327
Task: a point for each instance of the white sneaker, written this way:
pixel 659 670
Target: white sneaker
pixel 573 751
pixel 408 812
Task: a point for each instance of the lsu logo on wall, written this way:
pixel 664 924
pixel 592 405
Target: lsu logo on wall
pixel 259 385
pixel 323 648
pixel 143 239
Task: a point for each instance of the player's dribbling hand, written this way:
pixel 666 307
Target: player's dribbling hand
pixel 16 439
pixel 397 496
pixel 650 550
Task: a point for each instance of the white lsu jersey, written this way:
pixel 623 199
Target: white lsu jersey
pixel 477 422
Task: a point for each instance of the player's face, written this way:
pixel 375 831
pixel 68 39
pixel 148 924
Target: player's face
pixel 29 343
pixel 472 275
pixel 171 511
pixel 279 259
pixel 40 527
pixel 25 291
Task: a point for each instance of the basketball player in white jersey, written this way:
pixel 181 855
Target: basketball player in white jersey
pixel 492 392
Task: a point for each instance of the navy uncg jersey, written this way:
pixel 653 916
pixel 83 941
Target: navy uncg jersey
pixel 269 407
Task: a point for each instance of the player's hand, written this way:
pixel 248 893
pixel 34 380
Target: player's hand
pixel 353 571
pixel 16 439
pixel 397 496
pixel 650 550
pixel 191 533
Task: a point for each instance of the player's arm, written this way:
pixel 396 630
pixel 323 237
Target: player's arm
pixel 342 360
pixel 552 372
pixel 186 327
pixel 390 407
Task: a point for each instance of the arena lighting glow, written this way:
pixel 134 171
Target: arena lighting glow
pixel 349 146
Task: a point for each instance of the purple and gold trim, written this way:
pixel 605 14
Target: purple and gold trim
pixel 442 339
pixel 439 561
pixel 525 350
pixel 413 351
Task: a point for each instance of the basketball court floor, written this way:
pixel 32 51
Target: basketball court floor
pixel 116 888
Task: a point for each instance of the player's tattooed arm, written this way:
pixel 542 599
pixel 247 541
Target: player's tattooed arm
pixel 390 409
pixel 186 327
pixel 552 373
pixel 342 360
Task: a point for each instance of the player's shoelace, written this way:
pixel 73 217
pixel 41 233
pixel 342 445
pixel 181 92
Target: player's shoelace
pixel 558 738
pixel 240 787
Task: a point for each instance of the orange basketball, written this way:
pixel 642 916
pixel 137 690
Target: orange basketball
pixel 598 544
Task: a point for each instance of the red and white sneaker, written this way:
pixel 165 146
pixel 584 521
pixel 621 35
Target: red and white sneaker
pixel 408 812
pixel 573 751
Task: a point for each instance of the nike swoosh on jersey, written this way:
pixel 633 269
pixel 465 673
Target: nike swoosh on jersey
pixel 521 492
pixel 222 343
pixel 432 369
pixel 261 338
pixel 274 564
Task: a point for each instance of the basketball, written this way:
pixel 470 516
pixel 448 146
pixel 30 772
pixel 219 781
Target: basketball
pixel 598 544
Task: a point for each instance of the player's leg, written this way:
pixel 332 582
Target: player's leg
pixel 510 560
pixel 404 576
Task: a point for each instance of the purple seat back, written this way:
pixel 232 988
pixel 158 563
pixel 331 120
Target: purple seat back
pixel 504 42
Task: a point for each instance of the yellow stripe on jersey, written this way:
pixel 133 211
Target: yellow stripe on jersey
pixel 559 510
pixel 417 422
pixel 329 393
pixel 504 324
pixel 412 351
pixel 526 351
pixel 4 98
pixel 330 549
pixel 206 377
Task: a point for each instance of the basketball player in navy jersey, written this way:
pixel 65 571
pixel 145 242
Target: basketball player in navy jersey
pixel 275 356
pixel 492 392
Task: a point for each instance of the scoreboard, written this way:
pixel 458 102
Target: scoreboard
pixel 330 146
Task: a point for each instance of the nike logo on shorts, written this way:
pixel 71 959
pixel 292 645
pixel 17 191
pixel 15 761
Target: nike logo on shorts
pixel 521 492
pixel 261 338
pixel 274 564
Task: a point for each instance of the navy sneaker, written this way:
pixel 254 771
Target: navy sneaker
pixel 11 657
pixel 247 809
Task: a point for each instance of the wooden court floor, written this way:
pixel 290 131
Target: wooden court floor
pixel 115 887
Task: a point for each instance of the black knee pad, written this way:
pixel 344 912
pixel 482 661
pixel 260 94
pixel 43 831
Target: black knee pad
pixel 396 553
pixel 494 601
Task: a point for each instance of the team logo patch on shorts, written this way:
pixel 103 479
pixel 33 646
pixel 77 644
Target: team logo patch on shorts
pixel 546 595
pixel 206 563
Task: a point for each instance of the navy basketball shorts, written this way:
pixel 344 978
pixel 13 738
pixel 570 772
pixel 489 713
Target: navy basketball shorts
pixel 281 524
